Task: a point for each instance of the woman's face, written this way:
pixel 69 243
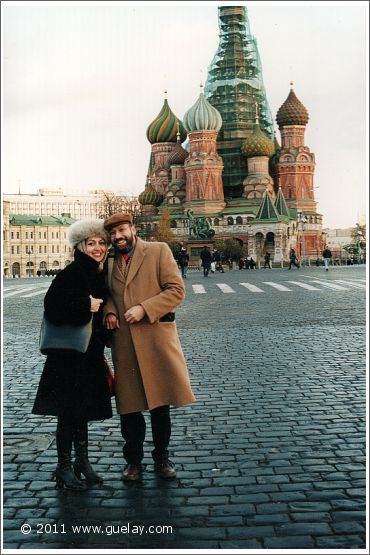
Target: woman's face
pixel 96 247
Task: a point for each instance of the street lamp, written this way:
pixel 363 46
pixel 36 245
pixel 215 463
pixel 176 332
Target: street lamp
pixel 29 252
pixel 303 221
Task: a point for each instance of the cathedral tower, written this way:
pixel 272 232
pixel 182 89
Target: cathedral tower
pixel 203 166
pixel 233 86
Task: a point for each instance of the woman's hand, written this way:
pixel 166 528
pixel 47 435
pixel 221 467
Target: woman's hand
pixel 95 304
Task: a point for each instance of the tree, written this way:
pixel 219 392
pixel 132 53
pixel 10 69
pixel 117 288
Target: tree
pixel 230 249
pixel 164 232
pixel 110 203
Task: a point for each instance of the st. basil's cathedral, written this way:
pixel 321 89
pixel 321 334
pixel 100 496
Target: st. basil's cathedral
pixel 233 176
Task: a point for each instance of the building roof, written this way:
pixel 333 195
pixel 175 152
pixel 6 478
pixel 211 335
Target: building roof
pixel 57 221
pixel 281 205
pixel 267 210
pixel 164 127
pixel 257 144
pixel 292 112
pixel 202 116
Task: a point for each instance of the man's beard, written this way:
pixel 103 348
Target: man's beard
pixel 125 249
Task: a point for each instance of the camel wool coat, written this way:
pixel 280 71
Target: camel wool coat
pixel 149 365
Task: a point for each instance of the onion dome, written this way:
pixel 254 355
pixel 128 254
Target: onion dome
pixel 257 144
pixel 292 112
pixel 202 116
pixel 150 196
pixel 178 155
pixel 164 128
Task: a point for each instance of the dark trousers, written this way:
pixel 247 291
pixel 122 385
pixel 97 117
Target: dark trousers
pixel 133 432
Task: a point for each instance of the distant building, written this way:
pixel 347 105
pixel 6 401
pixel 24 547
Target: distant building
pixel 34 245
pixel 54 202
pixel 336 239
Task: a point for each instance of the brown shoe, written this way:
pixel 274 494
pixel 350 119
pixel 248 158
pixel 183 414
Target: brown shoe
pixel 165 469
pixel 132 472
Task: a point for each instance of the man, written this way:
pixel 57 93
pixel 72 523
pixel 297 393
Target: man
pixel 183 261
pixel 293 259
pixel 267 260
pixel 150 369
pixel 326 253
pixel 206 258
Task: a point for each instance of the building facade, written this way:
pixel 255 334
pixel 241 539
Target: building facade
pixel 34 245
pixel 233 174
pixel 54 202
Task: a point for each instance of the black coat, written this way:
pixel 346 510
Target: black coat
pixel 74 384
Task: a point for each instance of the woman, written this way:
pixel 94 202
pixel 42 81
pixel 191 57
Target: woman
pixel 74 386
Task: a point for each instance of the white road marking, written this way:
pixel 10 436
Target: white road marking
pixel 353 284
pixel 305 286
pixel 330 285
pixel 252 288
pixel 198 289
pixel 19 291
pixel 277 286
pixel 35 293
pixel 225 288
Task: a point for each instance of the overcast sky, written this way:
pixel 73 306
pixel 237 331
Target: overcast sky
pixel 83 80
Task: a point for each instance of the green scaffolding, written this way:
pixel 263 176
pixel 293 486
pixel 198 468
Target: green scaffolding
pixel 235 86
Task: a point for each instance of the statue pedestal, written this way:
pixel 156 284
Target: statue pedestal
pixel 194 246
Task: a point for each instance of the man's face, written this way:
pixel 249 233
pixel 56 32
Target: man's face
pixel 123 237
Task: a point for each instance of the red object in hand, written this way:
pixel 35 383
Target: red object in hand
pixel 110 377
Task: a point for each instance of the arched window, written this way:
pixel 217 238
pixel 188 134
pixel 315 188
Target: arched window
pixel 216 221
pixel 230 221
pixel 239 220
pixel 173 223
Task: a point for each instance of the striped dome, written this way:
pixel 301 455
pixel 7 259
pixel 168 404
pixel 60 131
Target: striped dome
pixel 257 144
pixel 292 112
pixel 164 128
pixel 150 196
pixel 202 116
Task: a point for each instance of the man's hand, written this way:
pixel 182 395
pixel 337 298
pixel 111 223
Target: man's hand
pixel 134 314
pixel 111 321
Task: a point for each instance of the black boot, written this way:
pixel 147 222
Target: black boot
pixel 64 475
pixel 82 464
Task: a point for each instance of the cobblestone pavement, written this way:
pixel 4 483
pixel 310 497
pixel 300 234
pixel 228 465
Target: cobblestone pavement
pixel 272 455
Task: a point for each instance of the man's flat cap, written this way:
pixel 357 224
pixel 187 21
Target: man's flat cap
pixel 117 219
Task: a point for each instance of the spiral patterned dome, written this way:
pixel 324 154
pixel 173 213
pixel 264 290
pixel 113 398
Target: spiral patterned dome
pixel 178 156
pixel 202 116
pixel 150 197
pixel 292 112
pixel 164 128
pixel 257 144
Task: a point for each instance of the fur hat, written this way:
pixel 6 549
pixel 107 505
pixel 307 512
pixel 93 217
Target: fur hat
pixel 83 229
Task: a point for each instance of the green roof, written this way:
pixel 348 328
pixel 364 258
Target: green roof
pixel 57 221
pixel 267 210
pixel 281 205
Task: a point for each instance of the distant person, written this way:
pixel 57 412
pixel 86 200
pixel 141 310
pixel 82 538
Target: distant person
pixel 241 263
pixel 267 261
pixel 293 259
pixel 206 259
pixel 216 255
pixel 326 254
pixel 252 263
pixel 183 261
pixel 246 263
